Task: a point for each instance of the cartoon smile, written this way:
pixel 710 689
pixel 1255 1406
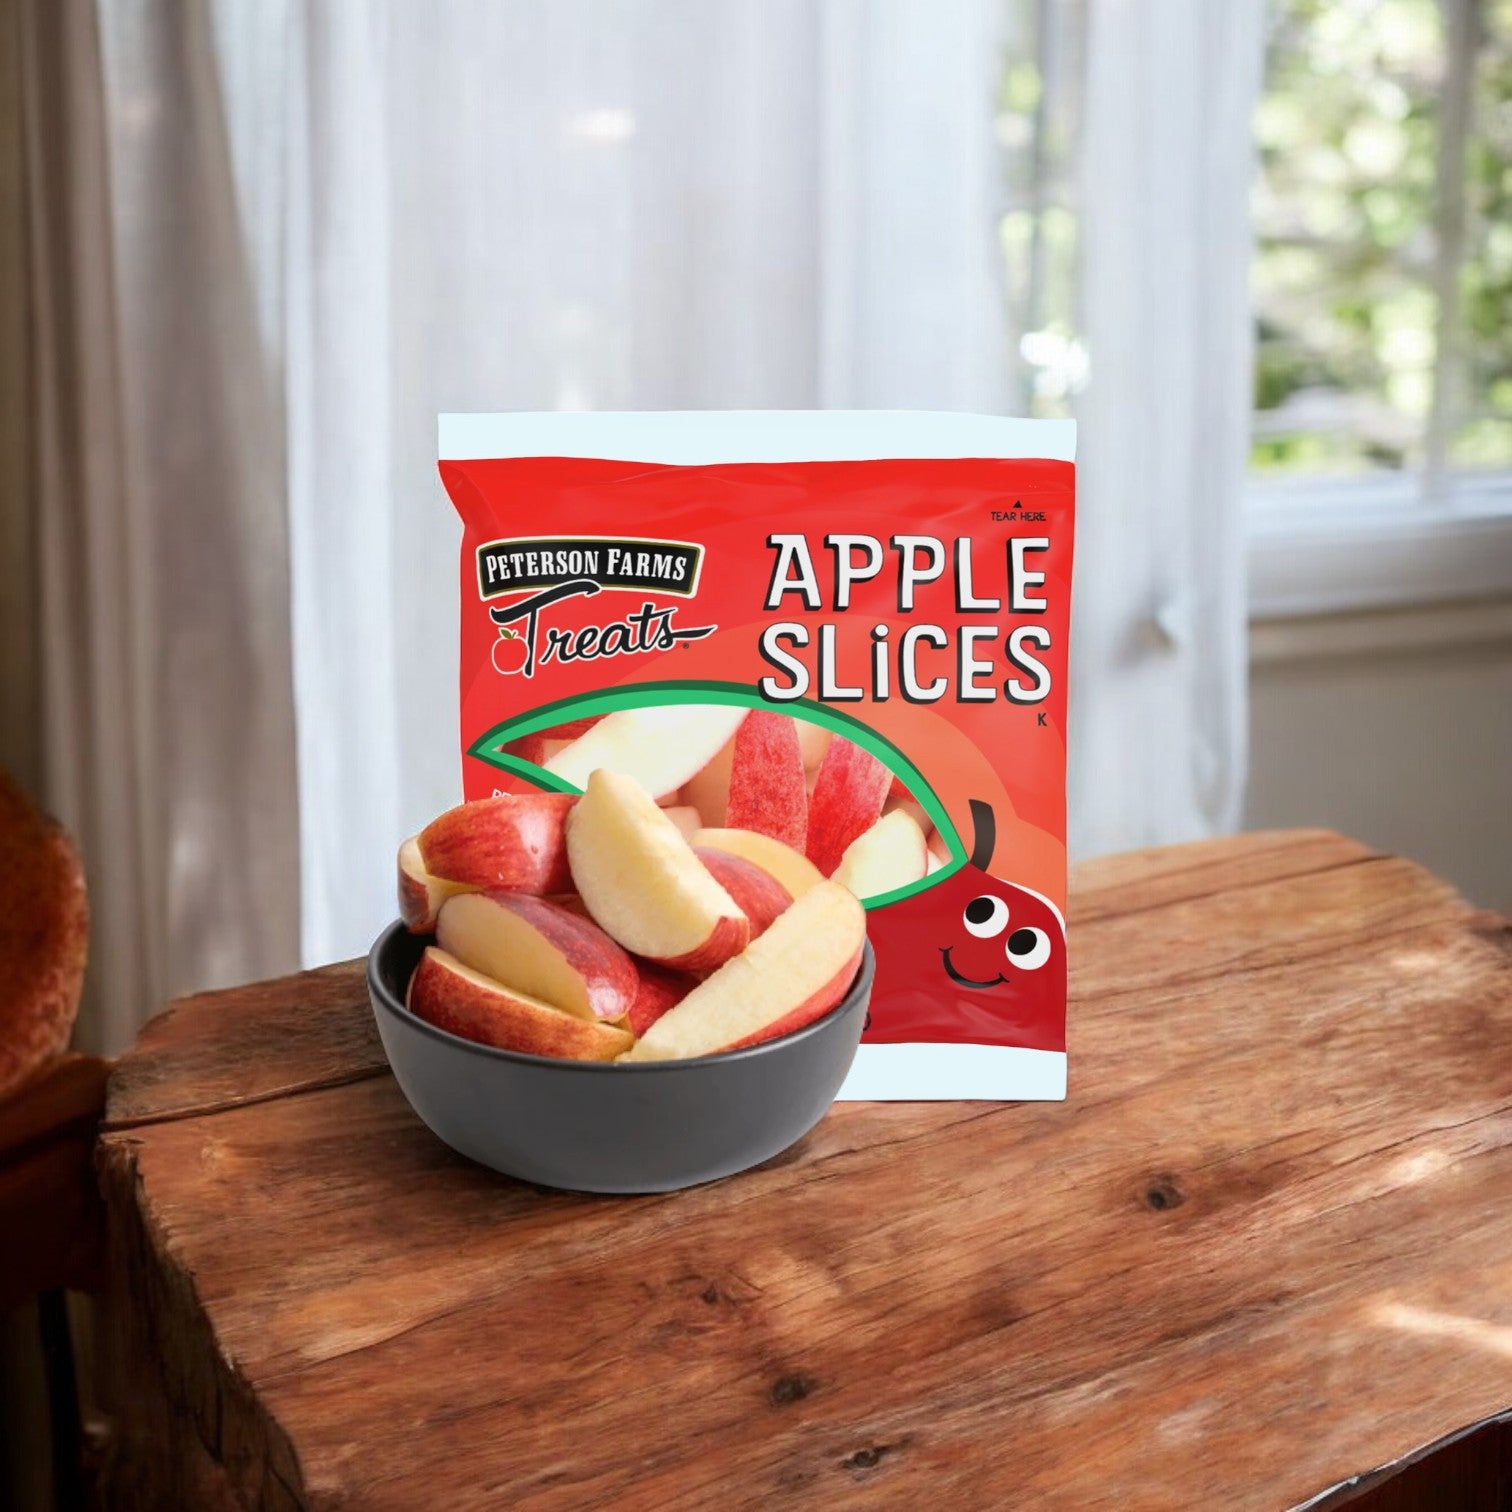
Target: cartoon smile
pixel 965 981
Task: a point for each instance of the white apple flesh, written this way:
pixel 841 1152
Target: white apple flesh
pixel 891 854
pixel 542 950
pixel 813 742
pixel 641 882
pixel 795 872
pixel 795 973
pixel 687 818
pixel 661 746
pixel 462 1001
pixel 708 789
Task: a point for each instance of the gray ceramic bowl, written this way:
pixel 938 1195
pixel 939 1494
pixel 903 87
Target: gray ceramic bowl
pixel 606 1128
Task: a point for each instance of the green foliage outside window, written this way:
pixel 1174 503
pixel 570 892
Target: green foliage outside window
pixel 1353 342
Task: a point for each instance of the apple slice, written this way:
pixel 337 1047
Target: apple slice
pixel 540 949
pixel 910 806
pixel 794 871
pixel 848 796
pixel 890 854
pixel 571 729
pixel 661 746
pixel 796 972
pixel 642 883
pixel 685 817
pixel 420 894
pixel 813 742
pixel 659 990
pixel 757 893
pixel 539 748
pixel 768 793
pixel 708 789
pixel 934 864
pixel 516 843
pixel 462 1001
pixel 937 847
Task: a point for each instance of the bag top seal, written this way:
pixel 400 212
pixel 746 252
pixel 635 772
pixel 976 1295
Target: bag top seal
pixel 730 436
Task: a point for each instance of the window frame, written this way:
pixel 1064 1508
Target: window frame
pixel 1328 545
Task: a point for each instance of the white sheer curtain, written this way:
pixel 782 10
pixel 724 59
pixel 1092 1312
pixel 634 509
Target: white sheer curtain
pixel 160 711
pixel 650 205
pixel 297 230
pixel 1157 738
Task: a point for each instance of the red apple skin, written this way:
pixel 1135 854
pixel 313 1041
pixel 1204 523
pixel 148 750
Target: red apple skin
pixel 768 787
pixel 608 973
pixel 516 843
pixel 415 904
pixel 807 1012
pixel 570 729
pixel 492 1015
pixel 659 990
pixel 757 893
pixel 923 1003
pixel 527 747
pixel 538 746
pixel 729 938
pixel 848 796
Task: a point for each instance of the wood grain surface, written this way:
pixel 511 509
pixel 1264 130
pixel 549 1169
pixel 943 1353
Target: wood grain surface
pixel 1264 1247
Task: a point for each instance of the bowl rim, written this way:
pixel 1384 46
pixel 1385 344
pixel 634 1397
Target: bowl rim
pixel 378 992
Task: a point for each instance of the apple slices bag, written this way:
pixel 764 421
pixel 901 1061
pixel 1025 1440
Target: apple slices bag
pixel 831 648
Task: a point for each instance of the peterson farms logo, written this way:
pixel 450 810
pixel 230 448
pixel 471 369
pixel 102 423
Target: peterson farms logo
pixel 550 569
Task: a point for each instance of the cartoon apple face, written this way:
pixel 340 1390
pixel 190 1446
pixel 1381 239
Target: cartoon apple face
pixel 979 959
pixel 1005 935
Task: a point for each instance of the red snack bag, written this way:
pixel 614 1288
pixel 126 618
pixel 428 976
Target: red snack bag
pixel 828 644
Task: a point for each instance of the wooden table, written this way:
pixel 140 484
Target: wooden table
pixel 1264 1247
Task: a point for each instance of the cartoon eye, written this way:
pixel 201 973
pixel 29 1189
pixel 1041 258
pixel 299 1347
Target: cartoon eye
pixel 985 917
pixel 1028 949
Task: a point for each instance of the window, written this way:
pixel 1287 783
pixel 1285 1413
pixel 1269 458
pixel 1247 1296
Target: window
pixel 1037 126
pixel 1382 284
pixel 1383 220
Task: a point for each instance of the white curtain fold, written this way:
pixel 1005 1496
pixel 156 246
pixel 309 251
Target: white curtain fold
pixel 1158 716
pixel 272 238
pixel 167 718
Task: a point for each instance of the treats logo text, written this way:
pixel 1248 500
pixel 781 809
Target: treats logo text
pixel 549 569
